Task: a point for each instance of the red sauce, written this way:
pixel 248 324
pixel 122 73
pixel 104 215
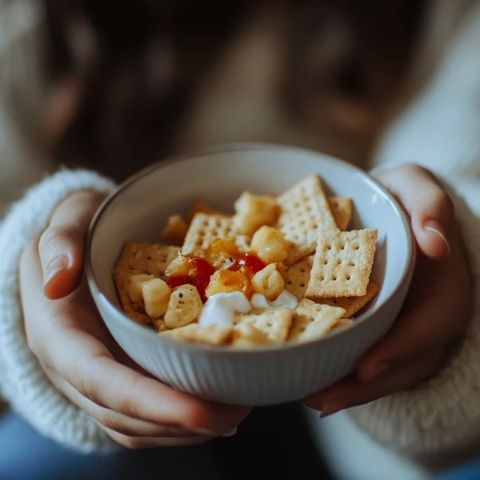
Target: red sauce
pixel 248 260
pixel 201 270
pixel 198 275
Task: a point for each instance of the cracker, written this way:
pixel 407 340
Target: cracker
pixel 205 229
pixel 175 230
pixel 305 216
pixel 342 264
pixel 136 258
pixel 195 333
pixel 247 335
pixel 343 322
pixel 273 322
pixel 297 276
pixel 312 320
pixel 342 210
pixel 352 304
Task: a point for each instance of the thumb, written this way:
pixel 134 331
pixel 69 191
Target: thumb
pixel 428 205
pixel 61 245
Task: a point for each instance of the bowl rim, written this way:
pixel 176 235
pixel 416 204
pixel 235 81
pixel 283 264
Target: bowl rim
pixel 192 347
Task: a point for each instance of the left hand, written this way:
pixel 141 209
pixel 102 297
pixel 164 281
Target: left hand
pixel 437 308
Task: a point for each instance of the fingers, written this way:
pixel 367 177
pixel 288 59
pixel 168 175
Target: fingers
pixel 61 245
pixel 60 335
pixel 429 207
pixel 115 421
pixel 352 391
pixel 147 442
pixel 420 328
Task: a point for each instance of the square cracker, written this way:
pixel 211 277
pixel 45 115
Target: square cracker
pixel 273 322
pixel 352 304
pixel 205 229
pixel 297 276
pixel 136 258
pixel 195 333
pixel 342 264
pixel 247 335
pixel 312 320
pixel 342 210
pixel 305 216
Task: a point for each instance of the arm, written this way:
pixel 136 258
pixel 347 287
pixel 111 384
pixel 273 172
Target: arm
pixel 61 368
pixel 23 383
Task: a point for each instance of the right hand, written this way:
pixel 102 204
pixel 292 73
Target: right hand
pixel 80 357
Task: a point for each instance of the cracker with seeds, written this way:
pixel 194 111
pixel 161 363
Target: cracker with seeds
pixel 305 216
pixel 352 304
pixel 273 322
pixel 312 320
pixel 205 229
pixel 342 210
pixel 195 333
pixel 297 277
pixel 140 258
pixel 342 264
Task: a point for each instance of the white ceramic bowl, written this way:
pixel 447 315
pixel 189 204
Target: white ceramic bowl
pixel 265 375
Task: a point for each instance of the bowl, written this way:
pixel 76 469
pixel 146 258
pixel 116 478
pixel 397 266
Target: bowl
pixel 265 375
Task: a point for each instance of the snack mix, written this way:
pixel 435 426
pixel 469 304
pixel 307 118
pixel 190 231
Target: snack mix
pixel 280 269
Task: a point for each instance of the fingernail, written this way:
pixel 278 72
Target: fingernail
pixel 435 227
pixel 231 433
pixel 55 266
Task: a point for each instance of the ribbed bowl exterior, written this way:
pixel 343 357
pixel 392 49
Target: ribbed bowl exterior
pixel 264 377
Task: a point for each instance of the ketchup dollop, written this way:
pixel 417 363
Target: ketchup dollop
pixel 200 271
pixel 199 275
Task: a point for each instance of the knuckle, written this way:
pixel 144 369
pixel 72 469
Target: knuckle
pixel 127 405
pixel 112 421
pixel 84 381
pixel 53 238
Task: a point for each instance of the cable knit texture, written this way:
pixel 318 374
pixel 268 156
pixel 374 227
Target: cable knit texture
pixel 443 412
pixel 22 381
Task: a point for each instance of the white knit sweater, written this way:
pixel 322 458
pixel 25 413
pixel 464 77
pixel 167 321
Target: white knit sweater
pixel 439 129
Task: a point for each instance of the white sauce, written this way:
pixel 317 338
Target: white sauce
pixel 220 309
pixel 285 300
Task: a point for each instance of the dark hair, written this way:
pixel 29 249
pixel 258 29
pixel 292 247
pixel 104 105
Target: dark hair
pixel 133 65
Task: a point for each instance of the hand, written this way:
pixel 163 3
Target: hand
pixel 83 361
pixel 437 308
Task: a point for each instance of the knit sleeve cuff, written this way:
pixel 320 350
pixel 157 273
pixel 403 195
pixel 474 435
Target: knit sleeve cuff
pixel 444 411
pixel 23 383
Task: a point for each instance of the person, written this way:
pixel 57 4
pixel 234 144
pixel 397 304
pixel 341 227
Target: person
pixel 395 89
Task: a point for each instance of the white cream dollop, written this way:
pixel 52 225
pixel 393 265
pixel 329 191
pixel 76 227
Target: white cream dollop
pixel 220 309
pixel 285 300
